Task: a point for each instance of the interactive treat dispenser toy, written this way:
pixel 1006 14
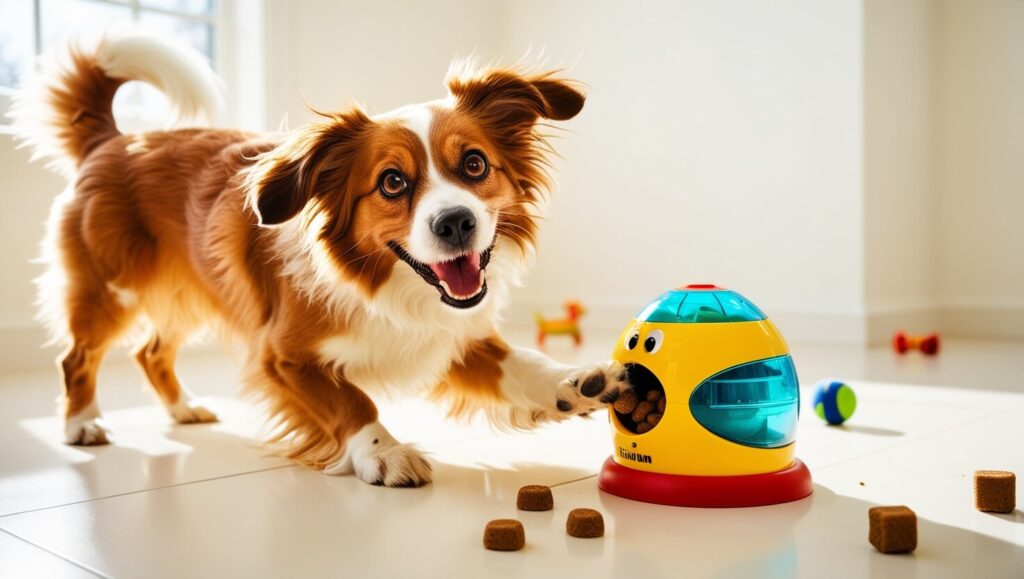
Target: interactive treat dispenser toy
pixel 731 402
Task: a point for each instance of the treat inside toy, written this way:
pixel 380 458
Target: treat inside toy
pixel 640 409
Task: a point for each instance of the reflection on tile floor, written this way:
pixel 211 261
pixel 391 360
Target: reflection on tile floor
pixel 205 501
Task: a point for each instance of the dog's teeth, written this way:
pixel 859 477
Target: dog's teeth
pixel 448 290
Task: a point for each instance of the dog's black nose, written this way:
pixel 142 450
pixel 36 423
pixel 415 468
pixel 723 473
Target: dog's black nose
pixel 454 225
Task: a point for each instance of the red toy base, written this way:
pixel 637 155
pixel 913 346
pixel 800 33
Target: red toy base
pixel 751 490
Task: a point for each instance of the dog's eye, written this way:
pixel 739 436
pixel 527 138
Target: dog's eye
pixel 632 340
pixel 392 183
pixel 474 165
pixel 653 342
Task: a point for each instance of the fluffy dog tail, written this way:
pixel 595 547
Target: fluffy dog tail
pixel 66 111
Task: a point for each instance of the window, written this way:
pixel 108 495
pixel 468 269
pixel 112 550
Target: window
pixel 33 27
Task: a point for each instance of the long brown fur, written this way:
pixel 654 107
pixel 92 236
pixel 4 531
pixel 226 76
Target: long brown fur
pixel 185 223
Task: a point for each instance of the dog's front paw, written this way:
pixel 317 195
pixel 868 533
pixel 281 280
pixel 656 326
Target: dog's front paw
pixel 376 457
pixel 591 388
pixel 396 466
pixel 188 411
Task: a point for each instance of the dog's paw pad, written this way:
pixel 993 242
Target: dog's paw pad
pixel 591 388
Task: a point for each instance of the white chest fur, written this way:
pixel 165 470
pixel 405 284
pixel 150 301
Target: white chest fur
pixel 379 357
pixel 408 339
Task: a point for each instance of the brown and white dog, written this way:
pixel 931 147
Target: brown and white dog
pixel 352 255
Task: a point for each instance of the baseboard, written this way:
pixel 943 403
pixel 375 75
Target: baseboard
pixel 797 327
pixel 873 328
pixel 882 323
pixel 21 348
pixel 1002 322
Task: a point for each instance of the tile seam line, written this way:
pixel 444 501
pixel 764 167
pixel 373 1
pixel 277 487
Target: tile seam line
pixel 140 491
pixel 81 566
pixel 259 470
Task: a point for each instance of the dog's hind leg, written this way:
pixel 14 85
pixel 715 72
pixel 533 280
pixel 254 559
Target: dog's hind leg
pixel 156 358
pixel 96 317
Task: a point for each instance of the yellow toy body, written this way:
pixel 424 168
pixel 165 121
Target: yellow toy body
pixel 726 436
pixel 691 353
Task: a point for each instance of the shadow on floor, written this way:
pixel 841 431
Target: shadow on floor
pixel 805 538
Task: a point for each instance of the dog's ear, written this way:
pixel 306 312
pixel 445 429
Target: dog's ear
pixel 310 164
pixel 505 97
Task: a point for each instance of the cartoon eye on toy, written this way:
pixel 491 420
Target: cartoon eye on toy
pixel 632 340
pixel 653 342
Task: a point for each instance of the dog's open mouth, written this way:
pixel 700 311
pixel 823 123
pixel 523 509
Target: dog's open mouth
pixel 462 282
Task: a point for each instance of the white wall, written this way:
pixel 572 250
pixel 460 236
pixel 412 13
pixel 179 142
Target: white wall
pixel 979 165
pixel 841 163
pixel 721 142
pixel 28 191
pixel 899 197
pixel 328 54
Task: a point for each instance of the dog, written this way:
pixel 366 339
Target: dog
pixel 354 255
pixel 569 325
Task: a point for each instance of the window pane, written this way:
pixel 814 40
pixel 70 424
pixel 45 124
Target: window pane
pixel 16 43
pixel 200 7
pixel 61 18
pixel 197 34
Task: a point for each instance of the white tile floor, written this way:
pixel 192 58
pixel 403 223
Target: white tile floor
pixel 203 501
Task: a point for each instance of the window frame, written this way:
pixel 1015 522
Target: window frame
pixel 232 31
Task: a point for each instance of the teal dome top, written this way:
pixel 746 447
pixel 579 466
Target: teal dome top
pixel 700 304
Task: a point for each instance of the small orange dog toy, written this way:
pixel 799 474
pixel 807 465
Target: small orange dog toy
pixel 928 345
pixel 567 326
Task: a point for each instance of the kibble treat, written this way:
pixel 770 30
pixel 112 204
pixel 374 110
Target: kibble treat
pixel 892 529
pixel 653 395
pixel 626 402
pixel 584 523
pixel 642 410
pixel 661 405
pixel 644 427
pixel 995 491
pixel 653 418
pixel 504 535
pixel 535 498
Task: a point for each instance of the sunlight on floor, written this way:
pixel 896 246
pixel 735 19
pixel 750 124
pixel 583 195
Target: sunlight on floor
pixel 916 438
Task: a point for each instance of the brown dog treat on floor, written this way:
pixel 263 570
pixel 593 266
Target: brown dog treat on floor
pixel 661 405
pixel 644 427
pixel 892 529
pixel 653 418
pixel 504 535
pixel 653 395
pixel 584 523
pixel 626 402
pixel 642 410
pixel 535 498
pixel 995 491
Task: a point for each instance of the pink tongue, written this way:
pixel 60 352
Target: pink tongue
pixel 461 274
